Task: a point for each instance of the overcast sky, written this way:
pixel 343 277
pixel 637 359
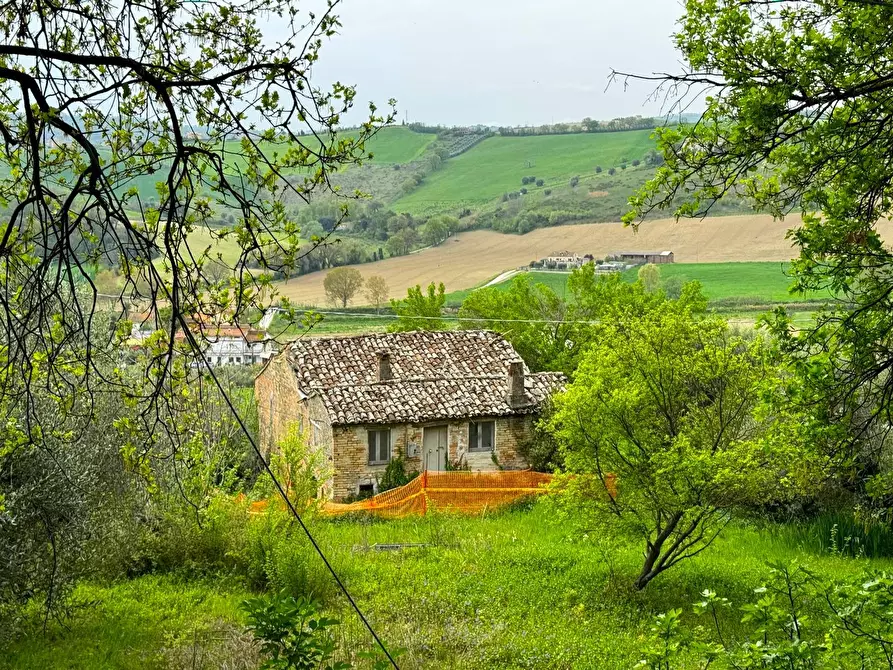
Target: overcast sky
pixel 501 62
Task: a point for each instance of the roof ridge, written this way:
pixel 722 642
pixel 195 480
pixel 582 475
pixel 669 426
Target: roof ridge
pixel 359 336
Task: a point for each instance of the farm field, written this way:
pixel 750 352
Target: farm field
pixel 761 282
pixel 497 164
pixel 517 589
pixel 470 259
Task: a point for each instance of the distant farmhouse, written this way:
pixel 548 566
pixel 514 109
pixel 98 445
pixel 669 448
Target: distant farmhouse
pixel 437 400
pixel 566 260
pixel 224 344
pixel 643 257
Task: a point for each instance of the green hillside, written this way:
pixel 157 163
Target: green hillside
pixel 496 166
pixel 389 145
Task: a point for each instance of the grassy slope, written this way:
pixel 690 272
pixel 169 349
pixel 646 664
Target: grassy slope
pixel 515 590
pixel 497 165
pixel 389 145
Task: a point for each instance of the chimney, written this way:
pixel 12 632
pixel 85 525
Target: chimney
pixel 384 366
pixel 516 397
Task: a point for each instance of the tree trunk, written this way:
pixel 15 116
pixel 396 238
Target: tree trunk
pixel 653 552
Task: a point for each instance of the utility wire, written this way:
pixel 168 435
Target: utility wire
pixel 190 336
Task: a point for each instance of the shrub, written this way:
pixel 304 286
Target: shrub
pixel 540 182
pixel 574 181
pixel 612 171
pixel 547 192
pixel 523 191
pixel 598 169
pixel 636 163
pixel 395 475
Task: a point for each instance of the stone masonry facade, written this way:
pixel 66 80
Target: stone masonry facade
pixel 351 462
pixel 335 390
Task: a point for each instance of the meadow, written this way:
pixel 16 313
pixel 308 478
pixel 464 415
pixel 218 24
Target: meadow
pixel 516 589
pixel 496 166
pixel 758 283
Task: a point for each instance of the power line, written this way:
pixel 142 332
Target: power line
pixel 470 319
pixel 281 490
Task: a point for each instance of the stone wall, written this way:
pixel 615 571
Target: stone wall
pixel 278 401
pixel 351 451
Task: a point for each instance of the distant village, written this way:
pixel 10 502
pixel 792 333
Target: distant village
pixel 616 262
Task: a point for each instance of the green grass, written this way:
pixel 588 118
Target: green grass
pixel 389 145
pixel 758 283
pixel 144 623
pixel 497 164
pixel 518 589
pixel 765 282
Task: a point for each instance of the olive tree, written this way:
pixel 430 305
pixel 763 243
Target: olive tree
pixel 660 416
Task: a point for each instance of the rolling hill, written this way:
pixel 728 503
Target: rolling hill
pixel 496 166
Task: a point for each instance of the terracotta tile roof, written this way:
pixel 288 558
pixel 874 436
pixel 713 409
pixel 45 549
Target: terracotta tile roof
pixel 434 399
pixel 435 375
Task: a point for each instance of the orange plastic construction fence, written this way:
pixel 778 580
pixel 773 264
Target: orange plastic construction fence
pixel 468 492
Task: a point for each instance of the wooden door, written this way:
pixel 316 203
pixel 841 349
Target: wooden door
pixel 434 448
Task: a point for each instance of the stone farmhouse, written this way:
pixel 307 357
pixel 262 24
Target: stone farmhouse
pixel 436 399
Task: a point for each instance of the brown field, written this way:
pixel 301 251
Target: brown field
pixel 471 258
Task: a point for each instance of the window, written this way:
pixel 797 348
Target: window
pixel 379 446
pixel 481 435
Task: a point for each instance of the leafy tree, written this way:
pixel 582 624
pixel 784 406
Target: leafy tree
pixel 665 403
pixel 612 171
pixel 403 242
pixel 512 312
pixel 342 284
pixel 540 182
pixel 435 231
pixel 100 98
pixel 798 97
pixel 574 181
pixel 377 291
pixel 523 191
pixel 420 311
pixel 598 169
pixel 649 275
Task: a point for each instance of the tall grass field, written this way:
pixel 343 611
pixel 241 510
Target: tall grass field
pixel 511 590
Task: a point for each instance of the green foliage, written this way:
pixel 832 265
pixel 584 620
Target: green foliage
pixel 342 284
pixel 798 621
pixel 790 125
pixel 665 402
pixel 420 311
pixel 395 475
pixel 649 275
pixel 301 469
pixel 552 332
pixel 292 634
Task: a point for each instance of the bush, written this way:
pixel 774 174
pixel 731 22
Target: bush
pixel 547 192
pixel 540 182
pixel 612 171
pixel 574 181
pixel 636 163
pixel 395 475
pixel 598 169
pixel 523 191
